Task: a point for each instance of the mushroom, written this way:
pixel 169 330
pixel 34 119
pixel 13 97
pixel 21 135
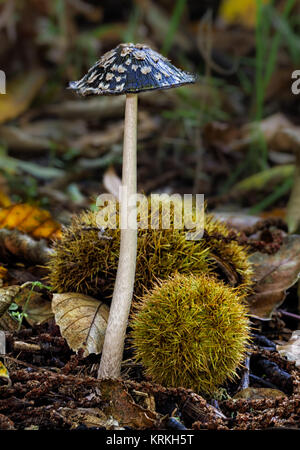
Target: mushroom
pixel 127 69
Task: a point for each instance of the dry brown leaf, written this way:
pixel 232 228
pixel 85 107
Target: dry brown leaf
pixel 82 321
pixel 37 309
pixel 291 350
pixel 276 130
pixel 273 274
pixel 272 125
pixel 8 323
pixel 7 296
pixel 90 417
pixel 118 409
pixel 20 93
pixel 31 220
pixel 120 405
pixel 252 393
pixel 112 182
pixel 13 242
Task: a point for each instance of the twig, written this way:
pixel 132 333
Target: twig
pixel 262 382
pixel 26 347
pixel 288 314
pixel 245 379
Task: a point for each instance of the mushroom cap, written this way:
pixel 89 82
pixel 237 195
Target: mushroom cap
pixel 128 69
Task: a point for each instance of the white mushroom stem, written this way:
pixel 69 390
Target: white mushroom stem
pixel 112 353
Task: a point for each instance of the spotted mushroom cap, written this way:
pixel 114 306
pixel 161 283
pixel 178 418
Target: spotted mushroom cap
pixel 131 68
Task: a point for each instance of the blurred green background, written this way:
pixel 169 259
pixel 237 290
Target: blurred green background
pixel 225 136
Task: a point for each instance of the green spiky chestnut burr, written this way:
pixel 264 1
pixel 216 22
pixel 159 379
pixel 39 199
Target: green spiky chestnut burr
pixel 83 262
pixel 190 331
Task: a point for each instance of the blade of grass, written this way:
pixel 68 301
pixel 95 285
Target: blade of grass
pixel 234 176
pixel 259 60
pixel 129 34
pixel 271 62
pixel 265 67
pixel 285 27
pixel 283 189
pixel 174 23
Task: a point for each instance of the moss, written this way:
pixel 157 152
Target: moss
pixel 83 262
pixel 190 331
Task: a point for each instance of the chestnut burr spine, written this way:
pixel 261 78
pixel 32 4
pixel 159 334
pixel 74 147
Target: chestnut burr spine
pixel 110 365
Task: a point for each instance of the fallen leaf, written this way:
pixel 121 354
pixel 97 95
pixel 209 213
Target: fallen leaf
pixel 31 220
pixel 8 323
pixel 271 127
pixel 273 275
pixel 13 242
pixel 279 133
pixel 121 406
pixel 7 296
pixel 252 393
pixel 112 182
pixel 4 374
pixel 4 192
pixel 4 200
pixel 19 94
pixel 239 13
pixel 275 131
pixel 90 417
pixel 82 321
pixel 37 309
pixel 291 350
pixel 3 273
